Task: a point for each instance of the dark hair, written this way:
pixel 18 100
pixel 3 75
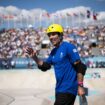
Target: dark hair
pixel 60 35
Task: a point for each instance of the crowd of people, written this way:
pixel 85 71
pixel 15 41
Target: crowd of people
pixel 89 40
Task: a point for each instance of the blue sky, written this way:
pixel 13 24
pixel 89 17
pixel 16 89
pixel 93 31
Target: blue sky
pixel 54 5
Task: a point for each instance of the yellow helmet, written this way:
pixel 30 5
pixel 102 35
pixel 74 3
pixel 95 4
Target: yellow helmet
pixel 55 28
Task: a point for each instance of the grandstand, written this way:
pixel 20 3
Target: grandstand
pixel 89 41
pixel 20 78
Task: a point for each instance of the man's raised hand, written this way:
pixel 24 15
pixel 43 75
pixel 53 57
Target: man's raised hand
pixel 30 51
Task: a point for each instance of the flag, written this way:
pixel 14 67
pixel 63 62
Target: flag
pixel 95 16
pixel 75 14
pixel 88 14
pixel 10 16
pixel 68 14
pixel 46 15
pixel 82 15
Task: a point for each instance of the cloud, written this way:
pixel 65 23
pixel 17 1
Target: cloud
pixel 20 14
pixel 37 14
pixel 76 10
pixel 12 10
pixel 101 16
pixel 2 10
pixel 16 11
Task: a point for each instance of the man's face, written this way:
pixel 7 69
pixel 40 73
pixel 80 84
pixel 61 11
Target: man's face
pixel 54 38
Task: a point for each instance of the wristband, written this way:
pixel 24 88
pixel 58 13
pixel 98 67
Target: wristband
pixel 80 84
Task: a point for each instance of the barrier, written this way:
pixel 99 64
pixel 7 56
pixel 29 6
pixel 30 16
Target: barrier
pixel 22 63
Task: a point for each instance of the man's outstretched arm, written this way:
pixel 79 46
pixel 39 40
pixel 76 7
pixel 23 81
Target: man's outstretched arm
pixel 44 66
